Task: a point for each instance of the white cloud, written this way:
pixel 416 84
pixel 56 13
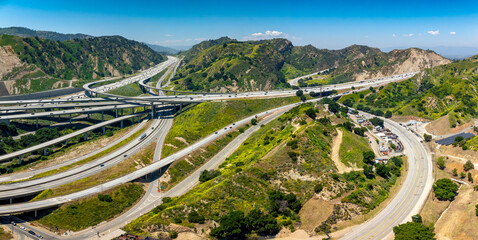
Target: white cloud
pixel 452 33
pixel 394 35
pixel 434 33
pixel 169 35
pixel 266 35
pixel 409 35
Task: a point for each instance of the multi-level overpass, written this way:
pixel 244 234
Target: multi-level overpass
pixel 400 209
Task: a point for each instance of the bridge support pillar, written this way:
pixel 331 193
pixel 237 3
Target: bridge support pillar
pixel 86 136
pixel 132 110
pixel 152 111
pixel 37 123
pixel 36 213
pixel 66 142
pixel 70 118
pixel 116 112
pixel 11 200
pixel 20 160
pixel 122 112
pixel 88 117
pixel 44 152
pixel 121 123
pixel 181 108
pixel 102 116
pixel 104 130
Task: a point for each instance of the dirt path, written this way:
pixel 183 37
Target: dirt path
pixel 341 168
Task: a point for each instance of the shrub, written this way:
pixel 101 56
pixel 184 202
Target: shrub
pixel 368 157
pixel 299 93
pixel 195 217
pixel 253 121
pixel 468 166
pixel 470 177
pixel 445 189
pixel 441 163
pixel 208 175
pixel 455 172
pixel 318 188
pixel 427 137
pixel 105 198
pixel 173 234
pixel 413 230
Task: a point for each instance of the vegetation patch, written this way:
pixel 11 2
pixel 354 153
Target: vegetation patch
pixel 206 118
pixel 85 213
pixel 351 149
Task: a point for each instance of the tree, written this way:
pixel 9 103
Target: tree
pixel 458 139
pixel 470 177
pixel 417 218
pixel 368 171
pixel 262 224
pixel 388 114
pixel 427 137
pixel 441 163
pixel 254 121
pixel 195 217
pixel 334 107
pixel 208 175
pixel 368 157
pixel 468 166
pixel 232 226
pixel 376 121
pixel 382 170
pixel 445 189
pixel 462 175
pixel 476 209
pixel 303 98
pixel 413 230
pixel 299 93
pixel 311 113
pixel 105 198
pixel 455 172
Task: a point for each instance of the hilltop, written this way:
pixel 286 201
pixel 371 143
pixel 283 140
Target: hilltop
pixel 34 64
pixel 226 64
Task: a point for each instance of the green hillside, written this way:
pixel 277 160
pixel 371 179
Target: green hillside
pixel 228 65
pixel 447 89
pixel 49 61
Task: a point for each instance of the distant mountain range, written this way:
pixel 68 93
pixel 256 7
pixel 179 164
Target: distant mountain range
pixel 446 51
pixel 54 36
pixel 162 49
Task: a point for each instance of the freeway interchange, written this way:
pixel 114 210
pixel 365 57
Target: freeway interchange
pixel 159 108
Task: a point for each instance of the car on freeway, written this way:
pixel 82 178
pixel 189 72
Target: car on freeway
pixel 125 155
pixel 13 223
pixel 216 132
pixel 102 165
pixel 32 232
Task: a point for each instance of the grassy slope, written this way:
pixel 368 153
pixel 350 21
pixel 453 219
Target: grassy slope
pixel 131 90
pixel 85 213
pixel 251 173
pixel 181 168
pixel 209 117
pixel 351 149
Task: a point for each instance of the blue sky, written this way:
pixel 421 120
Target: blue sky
pixel 324 24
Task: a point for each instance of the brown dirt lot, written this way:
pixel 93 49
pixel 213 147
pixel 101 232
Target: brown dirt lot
pixel 314 212
pixel 441 126
pixel 460 221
